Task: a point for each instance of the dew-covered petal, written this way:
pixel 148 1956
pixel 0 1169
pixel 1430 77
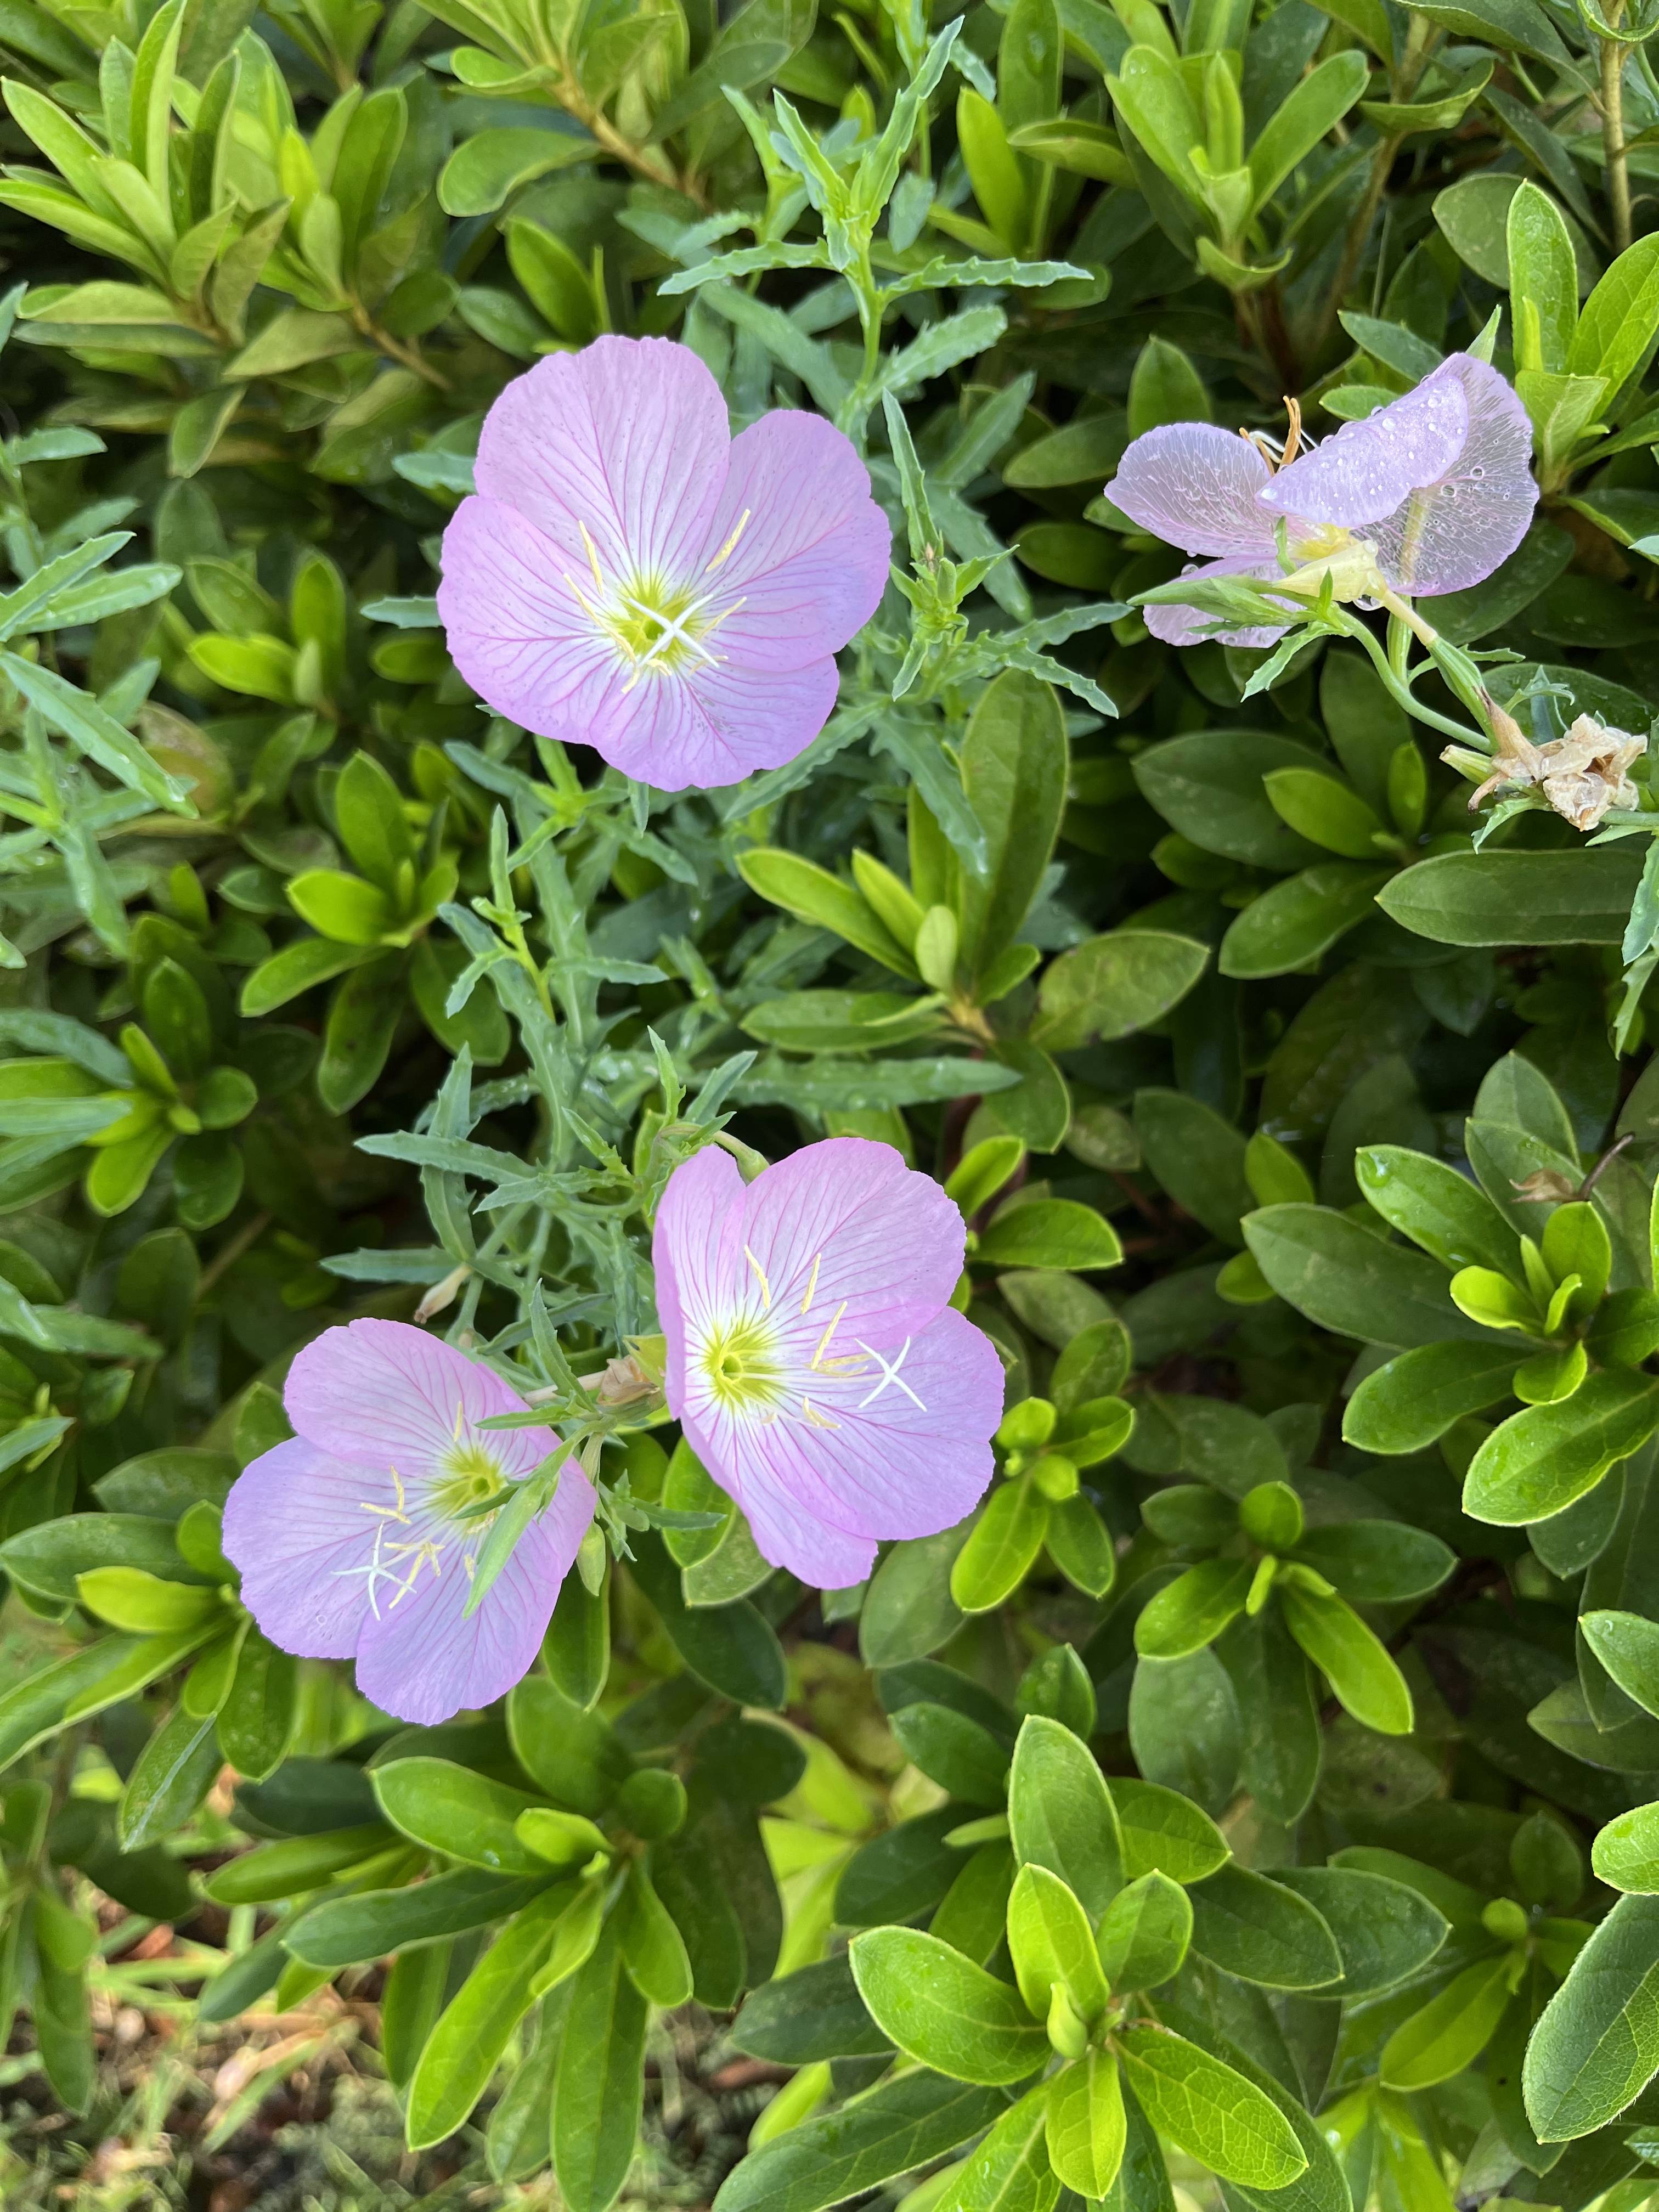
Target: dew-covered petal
pixel 1452 534
pixel 1184 625
pixel 628 437
pixel 425 1662
pixel 1194 485
pixel 809 562
pixel 1368 468
pixel 516 630
pixel 295 1528
pixel 846 1224
pixel 388 1396
pixel 894 1447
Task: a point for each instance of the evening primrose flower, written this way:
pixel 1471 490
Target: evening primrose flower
pixel 632 577
pixel 814 1363
pixel 359 1539
pixel 1429 495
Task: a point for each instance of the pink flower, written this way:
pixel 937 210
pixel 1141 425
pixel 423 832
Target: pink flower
pixel 1436 487
pixel 632 577
pixel 813 1362
pixel 350 1538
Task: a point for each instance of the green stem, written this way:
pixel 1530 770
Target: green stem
pixel 1419 44
pixel 1613 129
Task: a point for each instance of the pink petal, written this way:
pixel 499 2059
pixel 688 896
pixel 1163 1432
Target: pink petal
pixel 423 1661
pixel 715 725
pixel 515 629
pixel 873 1462
pixel 1368 468
pixel 628 437
pixel 1182 625
pixel 845 1223
pixel 1194 486
pixel 688 1249
pixel 295 1527
pixel 386 1395
pixel 1453 533
pixel 810 563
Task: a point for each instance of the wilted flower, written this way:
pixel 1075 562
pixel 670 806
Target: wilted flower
pixel 813 1362
pixel 355 1539
pixel 1429 495
pixel 1583 776
pixel 633 578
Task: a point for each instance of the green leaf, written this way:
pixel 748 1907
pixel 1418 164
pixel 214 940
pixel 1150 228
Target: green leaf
pixel 1263 1932
pixel 598 2096
pixel 889 2131
pixel 733 1648
pixel 1209 2110
pixel 1452 2029
pixel 1627 1645
pixel 1060 1813
pixel 1165 1833
pixel 1543 280
pixel 349 1931
pixel 98 734
pixel 450 1810
pixel 1049 1232
pixel 1340 1276
pixel 1051 1942
pixel 1086 2128
pixel 465 2047
pixel 813 2014
pixel 1009 2171
pixel 481 174
pixel 1001 1546
pixel 1626 1853
pixel 173 1772
pixel 1109 986
pixel 811 893
pixel 1353 1661
pixel 1597 2045
pixel 1295 922
pixel 1319 101
pixel 943 2010
pixel 1192 1610
pixel 1429 1201
pixel 1385 1931
pixel 1545 1457
pixel 1144 1933
pixel 1579 898
pixel 1014 771
pixel 1419 1395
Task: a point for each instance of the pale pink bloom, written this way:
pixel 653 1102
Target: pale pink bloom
pixel 632 577
pixel 814 1363
pixel 350 1541
pixel 1436 486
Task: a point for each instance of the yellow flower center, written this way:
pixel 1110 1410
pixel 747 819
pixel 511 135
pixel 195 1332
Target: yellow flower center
pixel 470 1475
pixel 741 1361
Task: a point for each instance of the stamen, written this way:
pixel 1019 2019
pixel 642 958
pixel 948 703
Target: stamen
pixel 461 1415
pixel 811 1286
pixel 810 1413
pixel 730 545
pixel 889 1375
pixel 1293 436
pixel 592 557
pixel 823 1341
pixel 760 1272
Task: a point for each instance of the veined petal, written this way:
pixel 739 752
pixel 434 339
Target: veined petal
pixel 517 630
pixel 1369 468
pixel 718 724
pixel 1195 486
pixel 894 1445
pixel 629 440
pixel 845 1225
pixel 796 557
pixel 424 1660
pixel 296 1529
pixel 1183 625
pixel 386 1395
pixel 687 1244
pixel 1454 532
